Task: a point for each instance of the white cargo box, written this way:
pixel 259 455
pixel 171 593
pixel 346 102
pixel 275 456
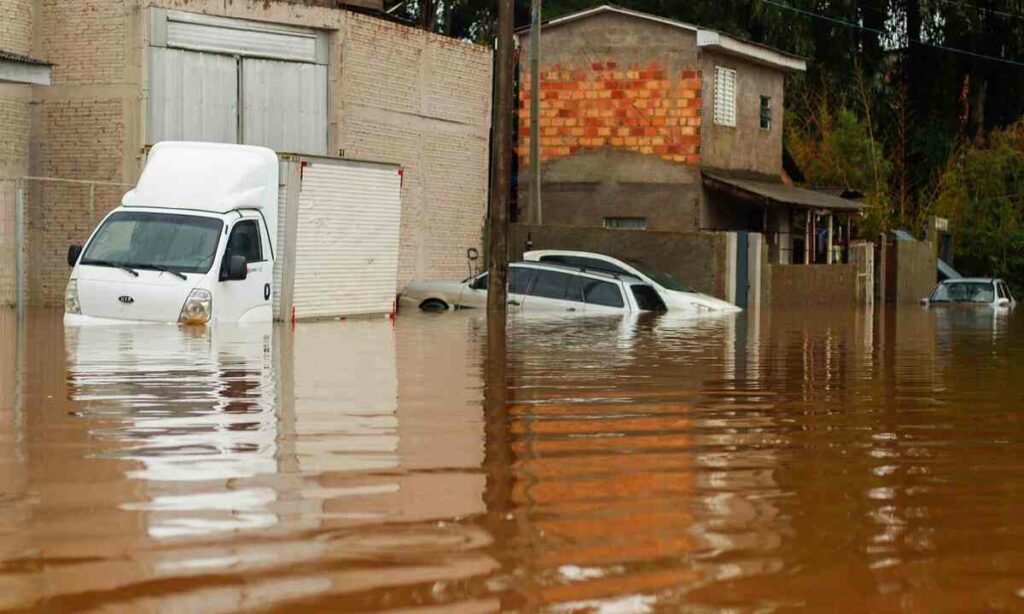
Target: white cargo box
pixel 337 236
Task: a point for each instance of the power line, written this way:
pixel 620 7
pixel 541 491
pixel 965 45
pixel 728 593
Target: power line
pixel 850 24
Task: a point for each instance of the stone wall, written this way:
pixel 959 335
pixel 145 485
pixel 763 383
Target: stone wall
pixel 697 260
pixel 801 285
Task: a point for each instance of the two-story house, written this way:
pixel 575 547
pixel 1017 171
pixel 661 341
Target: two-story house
pixel 649 123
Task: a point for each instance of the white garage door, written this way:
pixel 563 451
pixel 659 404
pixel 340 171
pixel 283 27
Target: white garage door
pixel 237 81
pixel 284 105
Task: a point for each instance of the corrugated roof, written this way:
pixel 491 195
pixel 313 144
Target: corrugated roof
pixel 7 56
pixel 786 194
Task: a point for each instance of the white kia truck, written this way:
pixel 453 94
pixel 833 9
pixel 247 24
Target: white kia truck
pixel 234 233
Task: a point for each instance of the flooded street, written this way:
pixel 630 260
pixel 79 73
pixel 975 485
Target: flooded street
pixel 842 460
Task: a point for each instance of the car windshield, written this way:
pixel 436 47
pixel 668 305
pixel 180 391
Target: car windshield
pixel 662 279
pixel 964 292
pixel 136 239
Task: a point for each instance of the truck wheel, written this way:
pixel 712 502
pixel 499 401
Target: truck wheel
pixel 434 305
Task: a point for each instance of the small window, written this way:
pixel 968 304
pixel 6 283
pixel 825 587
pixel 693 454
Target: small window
pixel 725 96
pixel 626 223
pixel 1001 290
pixel 766 112
pixel 551 284
pixel 605 293
pixel 245 241
pixel 647 298
pixel 581 262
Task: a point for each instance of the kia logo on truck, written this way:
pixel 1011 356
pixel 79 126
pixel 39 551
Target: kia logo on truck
pixel 127 300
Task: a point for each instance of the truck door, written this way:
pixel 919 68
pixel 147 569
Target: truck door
pixel 249 299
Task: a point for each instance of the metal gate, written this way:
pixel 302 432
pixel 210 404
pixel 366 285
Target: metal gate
pixel 742 268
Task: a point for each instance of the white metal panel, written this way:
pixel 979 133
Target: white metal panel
pixel 279 250
pixel 284 106
pixel 192 97
pixel 240 37
pixel 346 260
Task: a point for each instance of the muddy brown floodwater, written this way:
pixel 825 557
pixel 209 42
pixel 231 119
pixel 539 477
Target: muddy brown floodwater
pixel 806 459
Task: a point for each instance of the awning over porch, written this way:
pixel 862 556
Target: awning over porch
pixel 780 193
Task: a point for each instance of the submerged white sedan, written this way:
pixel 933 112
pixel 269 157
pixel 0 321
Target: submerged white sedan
pixel 539 287
pixel 677 298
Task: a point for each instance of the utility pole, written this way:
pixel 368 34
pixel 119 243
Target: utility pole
pixel 502 169
pixel 535 204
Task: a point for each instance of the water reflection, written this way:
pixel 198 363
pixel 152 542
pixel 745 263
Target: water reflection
pixel 767 460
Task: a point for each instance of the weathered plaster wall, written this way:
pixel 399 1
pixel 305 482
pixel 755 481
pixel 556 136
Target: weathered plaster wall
pixel 809 284
pixel 745 147
pixel 915 270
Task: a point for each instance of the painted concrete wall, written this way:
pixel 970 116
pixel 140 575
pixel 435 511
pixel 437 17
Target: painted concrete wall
pixel 809 284
pixel 397 94
pixel 15 36
pixel 697 260
pixel 915 270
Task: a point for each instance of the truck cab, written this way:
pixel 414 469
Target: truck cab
pixel 192 243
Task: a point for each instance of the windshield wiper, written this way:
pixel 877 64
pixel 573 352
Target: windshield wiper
pixel 116 265
pixel 160 267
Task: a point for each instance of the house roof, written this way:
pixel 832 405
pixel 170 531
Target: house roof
pixel 707 39
pixel 16 68
pixel 781 193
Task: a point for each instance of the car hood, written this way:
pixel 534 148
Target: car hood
pixel 153 296
pixel 689 300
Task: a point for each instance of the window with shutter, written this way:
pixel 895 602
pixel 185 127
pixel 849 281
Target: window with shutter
pixel 725 96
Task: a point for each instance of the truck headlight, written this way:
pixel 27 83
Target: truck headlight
pixel 198 308
pixel 71 304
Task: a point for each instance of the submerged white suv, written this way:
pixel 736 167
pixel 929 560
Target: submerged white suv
pixel 677 298
pixel 538 287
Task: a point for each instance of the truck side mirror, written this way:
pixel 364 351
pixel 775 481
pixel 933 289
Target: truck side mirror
pixel 237 268
pixel 74 251
pixel 1003 302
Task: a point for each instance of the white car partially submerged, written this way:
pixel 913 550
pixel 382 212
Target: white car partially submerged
pixel 981 291
pixel 540 287
pixel 677 298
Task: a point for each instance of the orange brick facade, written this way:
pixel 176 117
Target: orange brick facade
pixel 637 107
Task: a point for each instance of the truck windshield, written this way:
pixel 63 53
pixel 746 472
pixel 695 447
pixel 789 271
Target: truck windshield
pixel 140 240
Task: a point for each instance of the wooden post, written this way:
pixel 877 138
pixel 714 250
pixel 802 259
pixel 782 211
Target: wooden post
pixel 502 168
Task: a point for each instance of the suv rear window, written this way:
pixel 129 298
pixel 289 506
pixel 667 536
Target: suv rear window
pixel 596 292
pixel 647 298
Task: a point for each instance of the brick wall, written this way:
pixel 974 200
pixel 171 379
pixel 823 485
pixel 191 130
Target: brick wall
pixel 15 26
pixel 16 37
pixel 422 101
pixel 14 138
pixel 639 107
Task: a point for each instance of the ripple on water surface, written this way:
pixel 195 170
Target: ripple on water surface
pixel 794 459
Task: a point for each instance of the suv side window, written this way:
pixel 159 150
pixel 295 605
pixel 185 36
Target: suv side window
pixel 1001 290
pixel 519 279
pixel 552 284
pixel 599 292
pixel 245 241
